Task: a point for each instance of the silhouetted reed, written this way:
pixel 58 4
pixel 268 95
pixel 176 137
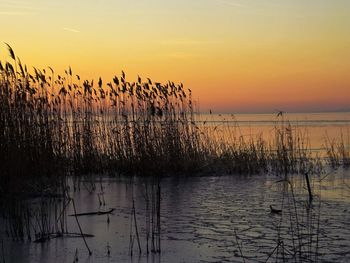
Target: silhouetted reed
pixel 57 125
pixel 338 150
pixel 54 126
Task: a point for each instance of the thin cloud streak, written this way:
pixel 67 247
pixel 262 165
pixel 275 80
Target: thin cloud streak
pixel 9 13
pixel 18 5
pixel 189 42
pixel 21 7
pixel 71 30
pixel 179 55
pixel 231 3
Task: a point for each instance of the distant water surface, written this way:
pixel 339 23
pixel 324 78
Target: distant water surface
pixel 317 127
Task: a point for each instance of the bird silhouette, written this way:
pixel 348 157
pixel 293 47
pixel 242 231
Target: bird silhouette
pixel 280 113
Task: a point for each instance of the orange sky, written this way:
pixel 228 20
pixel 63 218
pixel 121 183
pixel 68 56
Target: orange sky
pixel 236 55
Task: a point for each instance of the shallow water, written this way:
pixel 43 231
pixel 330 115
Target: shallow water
pixel 203 218
pixel 316 127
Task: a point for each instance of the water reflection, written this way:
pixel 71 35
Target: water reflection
pixel 203 219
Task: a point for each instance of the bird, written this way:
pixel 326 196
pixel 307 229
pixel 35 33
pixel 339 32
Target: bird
pixel 275 211
pixel 280 113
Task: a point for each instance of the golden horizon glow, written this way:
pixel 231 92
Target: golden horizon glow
pixel 236 55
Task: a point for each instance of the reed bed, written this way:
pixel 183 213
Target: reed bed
pixel 54 126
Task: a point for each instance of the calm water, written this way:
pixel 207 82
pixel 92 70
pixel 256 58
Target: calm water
pixel 316 126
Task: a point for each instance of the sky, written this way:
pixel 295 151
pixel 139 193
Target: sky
pixel 235 55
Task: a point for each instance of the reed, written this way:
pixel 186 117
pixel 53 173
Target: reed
pixel 296 221
pixel 58 126
pixel 338 150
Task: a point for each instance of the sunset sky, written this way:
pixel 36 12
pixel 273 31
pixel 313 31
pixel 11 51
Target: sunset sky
pixel 236 55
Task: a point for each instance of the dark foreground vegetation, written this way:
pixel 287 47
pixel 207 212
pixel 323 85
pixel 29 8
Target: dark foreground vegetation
pixel 54 127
